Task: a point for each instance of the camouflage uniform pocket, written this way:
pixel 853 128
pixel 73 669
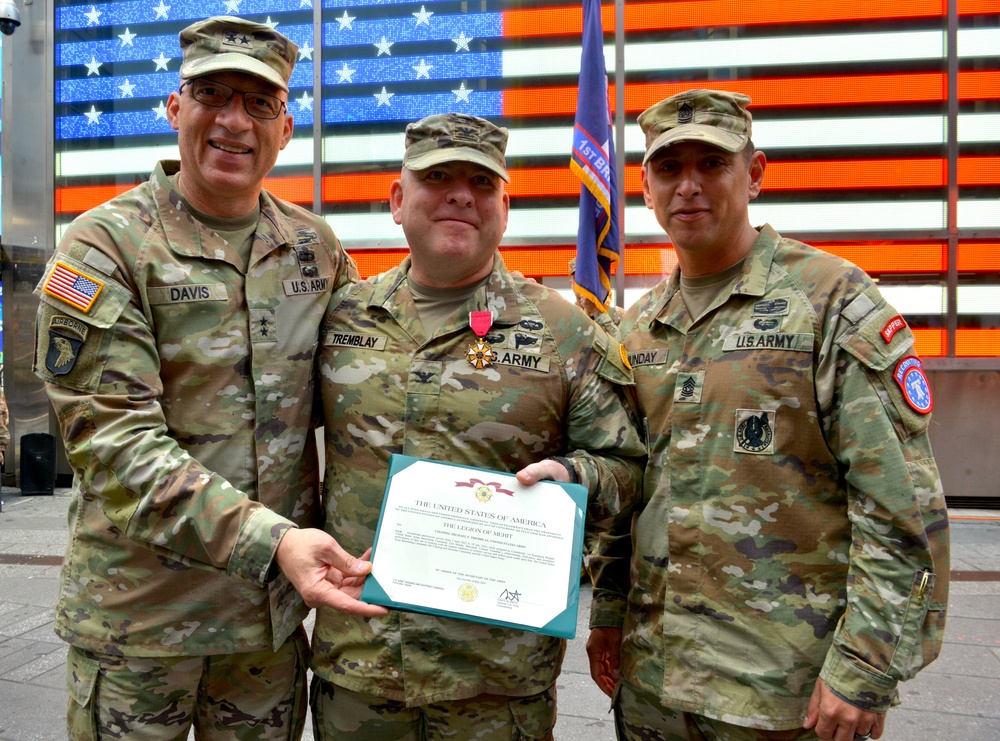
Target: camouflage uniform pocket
pixel 534 716
pixel 907 422
pixel 880 360
pixel 908 658
pixel 614 365
pixel 81 679
pixel 72 331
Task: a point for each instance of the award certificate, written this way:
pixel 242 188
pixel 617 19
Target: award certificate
pixel 475 544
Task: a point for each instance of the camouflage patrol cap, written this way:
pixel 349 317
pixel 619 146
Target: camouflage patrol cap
pixel 229 44
pixel 715 117
pixel 451 137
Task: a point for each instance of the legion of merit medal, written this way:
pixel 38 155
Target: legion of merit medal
pixel 480 354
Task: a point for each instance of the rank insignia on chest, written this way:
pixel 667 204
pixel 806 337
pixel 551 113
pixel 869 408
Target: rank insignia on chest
pixel 263 325
pixel 689 387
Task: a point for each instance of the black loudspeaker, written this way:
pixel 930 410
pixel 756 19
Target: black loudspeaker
pixel 38 463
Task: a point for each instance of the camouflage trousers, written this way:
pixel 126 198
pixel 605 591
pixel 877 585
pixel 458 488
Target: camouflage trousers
pixel 639 716
pixel 342 715
pixel 259 695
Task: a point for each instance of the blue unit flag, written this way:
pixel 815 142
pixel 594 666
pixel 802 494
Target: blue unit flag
pixel 598 246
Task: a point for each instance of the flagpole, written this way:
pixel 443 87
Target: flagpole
pixel 620 144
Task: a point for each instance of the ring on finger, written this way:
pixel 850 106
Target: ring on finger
pixel 859 737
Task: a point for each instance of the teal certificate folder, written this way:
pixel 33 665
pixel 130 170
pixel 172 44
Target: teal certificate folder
pixel 474 544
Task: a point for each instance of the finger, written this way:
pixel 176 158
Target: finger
pixel 529 475
pixel 352 566
pixel 878 727
pixel 861 731
pixel 870 725
pixel 613 670
pixel 342 602
pixel 547 469
pixel 812 709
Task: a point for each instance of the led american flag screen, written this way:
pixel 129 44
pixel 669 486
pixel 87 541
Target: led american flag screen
pixel 850 103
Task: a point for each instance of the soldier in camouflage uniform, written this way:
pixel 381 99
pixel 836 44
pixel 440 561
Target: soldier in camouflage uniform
pixel 789 562
pixel 176 334
pixel 405 367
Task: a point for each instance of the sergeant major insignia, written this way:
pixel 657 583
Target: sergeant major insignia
pixel 66 337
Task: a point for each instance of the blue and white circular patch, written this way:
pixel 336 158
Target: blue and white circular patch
pixel 910 376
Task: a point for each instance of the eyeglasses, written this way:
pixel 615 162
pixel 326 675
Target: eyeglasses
pixel 217 95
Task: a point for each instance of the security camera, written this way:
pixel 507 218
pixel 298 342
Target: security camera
pixel 10 17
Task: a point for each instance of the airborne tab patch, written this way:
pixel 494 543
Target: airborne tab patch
pixel 73 286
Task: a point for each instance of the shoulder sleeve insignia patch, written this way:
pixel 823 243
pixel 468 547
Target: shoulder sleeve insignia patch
pixel 66 338
pixel 910 376
pixel 73 286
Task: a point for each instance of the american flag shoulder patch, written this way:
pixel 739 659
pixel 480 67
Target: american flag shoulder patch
pixel 72 286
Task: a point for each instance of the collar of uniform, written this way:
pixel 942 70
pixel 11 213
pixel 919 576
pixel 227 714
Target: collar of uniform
pixel 272 227
pixel 184 236
pixel 752 280
pixel 665 313
pixel 756 268
pixel 386 284
pixel 499 295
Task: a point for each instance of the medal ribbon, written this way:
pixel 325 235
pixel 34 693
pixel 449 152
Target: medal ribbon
pixel 480 322
pixel 480 355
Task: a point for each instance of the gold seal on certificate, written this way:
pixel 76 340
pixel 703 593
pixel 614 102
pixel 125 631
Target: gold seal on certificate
pixel 475 544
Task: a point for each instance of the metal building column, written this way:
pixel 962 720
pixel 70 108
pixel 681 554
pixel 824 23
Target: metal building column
pixel 28 234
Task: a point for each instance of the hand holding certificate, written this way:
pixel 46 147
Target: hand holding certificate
pixel 475 544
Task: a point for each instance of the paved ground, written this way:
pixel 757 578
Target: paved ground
pixel 957 698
